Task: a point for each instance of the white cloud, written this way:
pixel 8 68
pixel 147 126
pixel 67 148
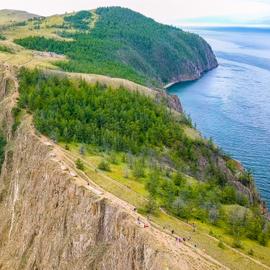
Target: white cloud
pixel 165 11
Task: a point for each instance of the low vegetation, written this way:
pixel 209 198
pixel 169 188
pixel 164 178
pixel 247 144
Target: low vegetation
pixel 2 148
pixel 5 49
pixel 153 148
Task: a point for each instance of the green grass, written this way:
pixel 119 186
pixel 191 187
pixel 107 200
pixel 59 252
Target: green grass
pixel 14 16
pixel 5 49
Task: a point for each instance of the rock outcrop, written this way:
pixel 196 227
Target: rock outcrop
pixel 49 220
pixel 192 71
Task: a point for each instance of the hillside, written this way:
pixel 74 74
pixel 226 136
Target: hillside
pixel 44 196
pixel 45 189
pixel 120 43
pixel 112 173
pixel 10 16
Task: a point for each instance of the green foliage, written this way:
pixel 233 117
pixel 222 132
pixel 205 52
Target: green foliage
pixel 124 44
pixel 5 49
pixel 79 164
pixel 152 145
pixel 2 150
pixel 2 37
pixel 237 244
pixel 104 166
pixel 151 206
pixel 16 113
pixel 79 20
pixel 111 119
pixel 138 168
pixel 221 245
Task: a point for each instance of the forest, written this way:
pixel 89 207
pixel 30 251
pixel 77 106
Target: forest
pixel 152 144
pixel 123 44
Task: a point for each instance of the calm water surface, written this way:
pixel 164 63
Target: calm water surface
pixel 231 104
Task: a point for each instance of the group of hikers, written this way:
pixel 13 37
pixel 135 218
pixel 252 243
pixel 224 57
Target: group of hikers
pixel 178 239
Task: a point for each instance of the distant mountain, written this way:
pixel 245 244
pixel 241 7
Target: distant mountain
pixel 222 21
pixel 9 16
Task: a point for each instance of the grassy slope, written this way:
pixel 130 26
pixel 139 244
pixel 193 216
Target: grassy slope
pixel 123 44
pixel 9 16
pixel 133 191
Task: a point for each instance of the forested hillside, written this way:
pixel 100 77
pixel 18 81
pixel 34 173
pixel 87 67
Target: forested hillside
pixel 152 143
pixel 121 43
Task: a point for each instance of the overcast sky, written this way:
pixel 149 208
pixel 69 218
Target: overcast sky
pixel 168 11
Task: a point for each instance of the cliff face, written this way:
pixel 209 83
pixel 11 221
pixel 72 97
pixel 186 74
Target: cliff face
pixel 191 70
pixel 51 220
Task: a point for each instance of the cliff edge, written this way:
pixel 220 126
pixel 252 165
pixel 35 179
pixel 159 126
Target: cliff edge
pixel 52 219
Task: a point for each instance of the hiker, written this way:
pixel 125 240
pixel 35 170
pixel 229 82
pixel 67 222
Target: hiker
pixel 172 231
pixel 135 209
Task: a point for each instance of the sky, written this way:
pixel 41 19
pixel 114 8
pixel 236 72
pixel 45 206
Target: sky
pixel 169 11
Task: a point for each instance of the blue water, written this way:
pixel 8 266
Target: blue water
pixel 231 104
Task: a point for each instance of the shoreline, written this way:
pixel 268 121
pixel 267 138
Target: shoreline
pixel 195 78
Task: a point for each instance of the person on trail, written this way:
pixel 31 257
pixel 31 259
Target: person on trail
pixel 172 231
pixel 135 209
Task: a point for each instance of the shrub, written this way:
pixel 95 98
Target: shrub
pixel 221 245
pixel 80 165
pixel 5 49
pixel 151 206
pixel 237 244
pixel 104 166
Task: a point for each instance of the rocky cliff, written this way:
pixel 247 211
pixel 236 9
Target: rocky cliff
pixel 194 70
pixel 50 219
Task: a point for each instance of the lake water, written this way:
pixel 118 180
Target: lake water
pixel 231 104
